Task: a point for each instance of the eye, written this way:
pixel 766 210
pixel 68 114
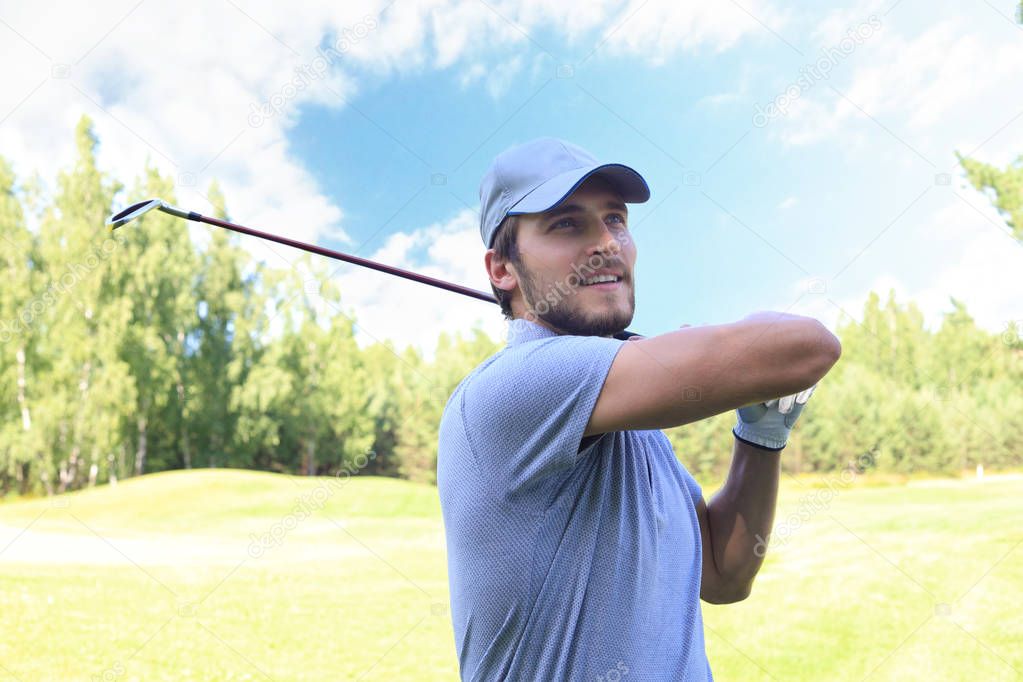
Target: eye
pixel 571 222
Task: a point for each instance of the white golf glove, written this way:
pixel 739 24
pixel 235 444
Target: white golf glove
pixel 768 424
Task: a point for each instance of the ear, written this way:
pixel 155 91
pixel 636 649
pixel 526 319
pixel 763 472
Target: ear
pixel 502 273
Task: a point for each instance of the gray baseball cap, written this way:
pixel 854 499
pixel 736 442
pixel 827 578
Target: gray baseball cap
pixel 539 174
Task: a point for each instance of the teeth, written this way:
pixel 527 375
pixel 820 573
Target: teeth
pixel 601 278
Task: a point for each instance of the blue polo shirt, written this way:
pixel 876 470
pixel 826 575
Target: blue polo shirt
pixel 568 559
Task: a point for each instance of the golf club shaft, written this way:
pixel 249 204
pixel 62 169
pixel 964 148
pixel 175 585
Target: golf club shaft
pixel 356 260
pixel 312 248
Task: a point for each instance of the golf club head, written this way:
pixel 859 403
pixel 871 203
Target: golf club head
pixel 137 210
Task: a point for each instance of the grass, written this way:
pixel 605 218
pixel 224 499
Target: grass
pixel 234 575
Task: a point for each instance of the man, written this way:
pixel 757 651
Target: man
pixel 578 545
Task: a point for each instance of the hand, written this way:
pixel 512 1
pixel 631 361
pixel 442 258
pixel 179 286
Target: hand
pixel 768 424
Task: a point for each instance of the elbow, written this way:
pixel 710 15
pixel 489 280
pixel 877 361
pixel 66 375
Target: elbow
pixel 833 345
pixel 725 597
pixel 826 351
pixel 729 594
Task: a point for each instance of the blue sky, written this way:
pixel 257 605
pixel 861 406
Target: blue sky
pixel 853 188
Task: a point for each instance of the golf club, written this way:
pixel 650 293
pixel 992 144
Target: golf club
pixel 141 208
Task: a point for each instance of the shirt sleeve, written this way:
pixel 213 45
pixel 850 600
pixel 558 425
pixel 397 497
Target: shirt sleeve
pixel 525 415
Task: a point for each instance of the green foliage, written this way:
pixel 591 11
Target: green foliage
pixel 140 350
pixel 902 399
pixel 1004 186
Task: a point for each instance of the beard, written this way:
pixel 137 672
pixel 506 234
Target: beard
pixel 569 314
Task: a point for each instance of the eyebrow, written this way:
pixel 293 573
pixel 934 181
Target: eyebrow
pixel 576 208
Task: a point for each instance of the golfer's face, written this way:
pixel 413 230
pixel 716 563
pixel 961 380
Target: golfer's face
pixel 585 235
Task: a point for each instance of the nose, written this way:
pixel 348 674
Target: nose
pixel 606 241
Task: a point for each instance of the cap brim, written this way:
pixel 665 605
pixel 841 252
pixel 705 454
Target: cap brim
pixel 629 184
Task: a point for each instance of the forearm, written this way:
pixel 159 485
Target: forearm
pixel 741 514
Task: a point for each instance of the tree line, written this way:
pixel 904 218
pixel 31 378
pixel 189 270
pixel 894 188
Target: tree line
pixel 128 353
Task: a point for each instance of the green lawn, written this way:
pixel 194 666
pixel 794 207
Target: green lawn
pixel 165 578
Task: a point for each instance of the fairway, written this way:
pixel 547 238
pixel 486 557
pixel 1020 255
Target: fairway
pixel 237 575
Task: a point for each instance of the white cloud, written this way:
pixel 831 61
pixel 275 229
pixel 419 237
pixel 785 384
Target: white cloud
pixel 976 261
pixel 159 86
pixel 737 94
pixel 498 78
pixel 209 91
pixel 415 314
pixel 458 29
pixel 940 89
pixel 177 84
pixel 659 29
pixel 837 23
pixel 944 84
pixel 720 98
pixel 472 74
pixel 159 89
pixel 986 272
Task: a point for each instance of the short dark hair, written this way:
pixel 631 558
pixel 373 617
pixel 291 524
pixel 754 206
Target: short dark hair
pixel 506 248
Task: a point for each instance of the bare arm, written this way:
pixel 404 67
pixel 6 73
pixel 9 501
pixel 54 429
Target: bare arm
pixel 694 373
pixel 736 523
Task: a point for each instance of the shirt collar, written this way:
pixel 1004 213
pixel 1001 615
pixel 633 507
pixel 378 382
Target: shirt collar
pixel 521 330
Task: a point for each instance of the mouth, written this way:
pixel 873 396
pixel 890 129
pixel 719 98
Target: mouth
pixel 604 281
pixel 604 286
